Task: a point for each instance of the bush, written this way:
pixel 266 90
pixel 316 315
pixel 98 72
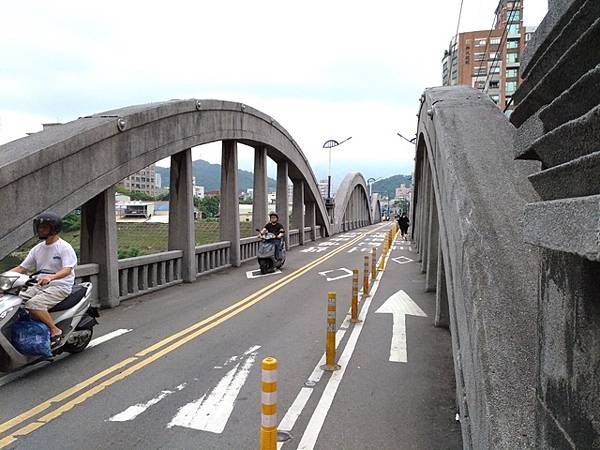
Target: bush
pixel 72 222
pixel 128 252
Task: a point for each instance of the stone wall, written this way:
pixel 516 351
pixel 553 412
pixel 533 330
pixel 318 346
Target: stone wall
pixel 558 120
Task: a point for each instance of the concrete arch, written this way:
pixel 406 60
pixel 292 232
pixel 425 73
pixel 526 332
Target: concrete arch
pixel 352 205
pixel 375 207
pixel 89 155
pixel 465 183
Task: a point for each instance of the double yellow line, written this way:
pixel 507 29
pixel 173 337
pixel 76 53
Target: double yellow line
pixel 181 338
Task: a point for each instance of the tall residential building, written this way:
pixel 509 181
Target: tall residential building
pixel 489 60
pixel 142 181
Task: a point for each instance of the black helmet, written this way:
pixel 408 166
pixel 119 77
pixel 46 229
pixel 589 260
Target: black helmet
pixel 54 220
pixel 273 213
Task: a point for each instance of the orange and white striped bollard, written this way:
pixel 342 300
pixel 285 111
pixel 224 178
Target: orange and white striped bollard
pixel 268 425
pixel 330 364
pixel 354 304
pixel 366 277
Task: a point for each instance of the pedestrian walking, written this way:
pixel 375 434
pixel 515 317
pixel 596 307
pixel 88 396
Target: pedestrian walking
pixel 403 223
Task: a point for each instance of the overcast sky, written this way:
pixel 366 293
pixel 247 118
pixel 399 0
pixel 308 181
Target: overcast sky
pixel 323 69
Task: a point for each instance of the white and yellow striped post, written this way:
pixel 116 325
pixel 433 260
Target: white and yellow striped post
pixel 373 264
pixel 268 425
pixel 354 304
pixel 383 255
pixel 330 364
pixel 366 277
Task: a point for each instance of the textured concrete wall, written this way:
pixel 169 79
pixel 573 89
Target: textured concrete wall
pixel 557 112
pixel 465 161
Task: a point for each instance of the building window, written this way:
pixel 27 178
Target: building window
pixel 514 29
pixel 480 42
pixel 514 16
pixel 495 98
pixel 495 41
pixel 493 56
pixel 512 58
pixel 480 71
pixel 478 56
pixel 512 44
pixel 495 68
pixel 511 86
pixel 478 84
pixel 494 84
pixel 512 73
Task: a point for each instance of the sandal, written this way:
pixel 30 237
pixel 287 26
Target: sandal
pixel 55 340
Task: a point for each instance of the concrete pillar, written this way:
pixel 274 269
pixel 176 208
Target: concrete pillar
pixel 230 209
pixel 442 312
pixel 298 208
pixel 282 200
pixel 98 244
pixel 182 234
pixel 425 223
pixel 432 249
pixel 311 218
pixel 260 193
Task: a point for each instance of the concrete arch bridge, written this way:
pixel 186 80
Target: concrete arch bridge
pixel 77 165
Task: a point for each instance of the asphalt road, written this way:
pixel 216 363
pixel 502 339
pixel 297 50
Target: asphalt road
pixel 182 370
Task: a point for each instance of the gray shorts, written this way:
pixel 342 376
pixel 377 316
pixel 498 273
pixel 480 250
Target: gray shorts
pixel 43 297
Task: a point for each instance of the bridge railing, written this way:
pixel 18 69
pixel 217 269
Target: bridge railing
pixel 212 257
pixel 143 274
pixel 294 238
pixel 248 248
pixel 89 273
pixel 307 234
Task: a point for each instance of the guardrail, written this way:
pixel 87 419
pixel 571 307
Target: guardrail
pixel 249 248
pixel 143 274
pixel 307 234
pixel 294 238
pixel 212 257
pixel 89 272
pixel 318 232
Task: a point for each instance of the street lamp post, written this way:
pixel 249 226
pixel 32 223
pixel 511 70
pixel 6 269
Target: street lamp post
pixel 329 145
pixel 370 182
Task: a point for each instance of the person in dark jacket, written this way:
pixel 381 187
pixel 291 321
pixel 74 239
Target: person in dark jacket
pixel 404 223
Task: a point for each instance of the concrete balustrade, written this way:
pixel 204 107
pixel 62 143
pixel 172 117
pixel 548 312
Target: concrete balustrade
pixel 144 274
pixel 213 257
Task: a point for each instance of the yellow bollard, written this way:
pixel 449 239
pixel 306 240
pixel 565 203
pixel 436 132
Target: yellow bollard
pixel 366 277
pixel 373 264
pixel 268 425
pixel 330 364
pixel 383 255
pixel 354 307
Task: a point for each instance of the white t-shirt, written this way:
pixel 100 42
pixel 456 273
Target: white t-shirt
pixel 53 258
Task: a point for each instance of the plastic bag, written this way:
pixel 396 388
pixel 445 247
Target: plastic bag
pixel 31 337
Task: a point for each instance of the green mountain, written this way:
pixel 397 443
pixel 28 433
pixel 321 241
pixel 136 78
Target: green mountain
pixel 209 176
pixel 388 186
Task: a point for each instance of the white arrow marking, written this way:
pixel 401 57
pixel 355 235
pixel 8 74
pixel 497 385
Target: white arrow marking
pixel 133 411
pixel 211 413
pixel 400 305
pixel 402 260
pixel 346 275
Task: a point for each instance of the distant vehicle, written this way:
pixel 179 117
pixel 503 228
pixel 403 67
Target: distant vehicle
pixel 386 217
pixel 267 261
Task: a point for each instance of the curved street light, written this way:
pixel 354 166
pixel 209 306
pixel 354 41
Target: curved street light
pixel 329 145
pixel 410 141
pixel 370 182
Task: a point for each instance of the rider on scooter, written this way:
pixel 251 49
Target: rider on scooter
pixel 277 229
pixel 56 259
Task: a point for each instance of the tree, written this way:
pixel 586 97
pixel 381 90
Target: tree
pixel 208 205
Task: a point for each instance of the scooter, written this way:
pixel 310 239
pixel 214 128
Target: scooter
pixel 75 316
pixel 267 261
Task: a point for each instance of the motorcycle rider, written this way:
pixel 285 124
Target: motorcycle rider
pixel 52 255
pixel 277 229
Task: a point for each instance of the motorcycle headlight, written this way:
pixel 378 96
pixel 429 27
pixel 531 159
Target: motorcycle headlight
pixel 6 283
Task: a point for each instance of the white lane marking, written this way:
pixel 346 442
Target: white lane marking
pixel 108 337
pixel 309 438
pixel 346 273
pixel 399 305
pixel 402 260
pixel 135 410
pixel 10 377
pixel 211 413
pixel 251 274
